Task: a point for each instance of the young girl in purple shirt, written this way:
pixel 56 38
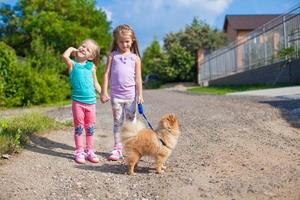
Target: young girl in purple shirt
pixel 123 72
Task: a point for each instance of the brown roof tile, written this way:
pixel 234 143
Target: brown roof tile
pixel 246 22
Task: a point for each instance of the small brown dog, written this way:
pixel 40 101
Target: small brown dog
pixel 139 141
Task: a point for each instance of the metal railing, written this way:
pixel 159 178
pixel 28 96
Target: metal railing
pixel 259 48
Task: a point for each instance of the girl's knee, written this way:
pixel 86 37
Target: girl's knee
pixel 78 129
pixel 90 130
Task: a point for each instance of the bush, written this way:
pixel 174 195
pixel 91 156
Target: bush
pixel 8 62
pixel 31 87
pixel 152 85
pixel 36 80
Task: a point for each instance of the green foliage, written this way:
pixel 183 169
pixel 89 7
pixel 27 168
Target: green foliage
pixel 181 64
pixel 56 23
pixel 30 87
pixel 8 61
pixel 45 58
pixel 287 53
pixel 41 31
pixel 175 65
pixel 178 60
pixel 152 84
pixel 198 35
pixel 21 84
pixel 100 72
pixel 152 60
pixel 15 132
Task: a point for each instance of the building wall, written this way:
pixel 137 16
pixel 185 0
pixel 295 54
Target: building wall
pixel 240 39
pixel 264 75
pixel 230 32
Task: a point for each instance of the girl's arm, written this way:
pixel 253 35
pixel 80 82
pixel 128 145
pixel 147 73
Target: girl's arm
pixel 66 57
pixel 138 80
pixel 104 95
pixel 96 83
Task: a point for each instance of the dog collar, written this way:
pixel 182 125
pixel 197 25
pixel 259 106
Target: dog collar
pixel 164 144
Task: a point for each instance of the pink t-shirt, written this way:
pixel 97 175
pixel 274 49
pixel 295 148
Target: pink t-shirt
pixel 122 79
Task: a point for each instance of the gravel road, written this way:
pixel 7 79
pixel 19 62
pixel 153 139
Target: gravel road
pixel 231 147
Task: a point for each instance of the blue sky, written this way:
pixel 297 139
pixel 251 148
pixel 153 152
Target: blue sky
pixel 156 18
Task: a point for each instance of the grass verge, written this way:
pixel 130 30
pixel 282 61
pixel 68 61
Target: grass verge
pixel 221 90
pixel 15 132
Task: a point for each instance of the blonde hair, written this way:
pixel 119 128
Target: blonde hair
pixel 95 50
pixel 125 29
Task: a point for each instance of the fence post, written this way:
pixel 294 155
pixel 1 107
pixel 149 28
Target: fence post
pixel 265 45
pixel 284 33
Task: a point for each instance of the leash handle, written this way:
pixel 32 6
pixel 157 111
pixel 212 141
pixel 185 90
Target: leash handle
pixel 141 111
pixel 140 108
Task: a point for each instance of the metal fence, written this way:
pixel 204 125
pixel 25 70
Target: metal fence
pixel 259 48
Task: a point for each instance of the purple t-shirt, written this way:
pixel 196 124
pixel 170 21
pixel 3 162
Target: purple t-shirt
pixel 122 79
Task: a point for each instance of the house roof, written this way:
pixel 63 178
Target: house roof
pixel 246 22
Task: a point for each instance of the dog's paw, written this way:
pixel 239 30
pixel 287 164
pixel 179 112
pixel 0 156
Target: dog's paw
pixel 131 173
pixel 160 171
pixel 163 167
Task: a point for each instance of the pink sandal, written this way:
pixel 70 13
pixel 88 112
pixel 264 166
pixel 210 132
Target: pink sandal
pixel 116 153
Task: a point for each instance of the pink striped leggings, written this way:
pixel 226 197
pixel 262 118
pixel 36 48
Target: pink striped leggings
pixel 84 116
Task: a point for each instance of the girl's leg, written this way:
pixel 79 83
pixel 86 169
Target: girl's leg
pixel 89 125
pixel 78 117
pixel 118 115
pixel 130 110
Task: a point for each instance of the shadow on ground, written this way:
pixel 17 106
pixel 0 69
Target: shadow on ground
pixel 43 145
pixel 289 108
pixel 118 168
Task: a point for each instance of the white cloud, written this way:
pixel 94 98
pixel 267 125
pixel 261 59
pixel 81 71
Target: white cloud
pixel 108 14
pixel 216 6
pixel 159 17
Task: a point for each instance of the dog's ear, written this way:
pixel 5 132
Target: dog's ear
pixel 172 119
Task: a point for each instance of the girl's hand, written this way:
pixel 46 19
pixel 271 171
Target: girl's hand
pixel 66 57
pixel 104 98
pixel 74 52
pixel 140 99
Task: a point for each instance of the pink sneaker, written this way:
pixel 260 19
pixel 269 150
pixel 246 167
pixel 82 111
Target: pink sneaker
pixel 92 157
pixel 116 153
pixel 79 157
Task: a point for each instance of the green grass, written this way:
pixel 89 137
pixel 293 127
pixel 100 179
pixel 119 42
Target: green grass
pixel 15 132
pixel 152 85
pixel 221 90
pixel 56 104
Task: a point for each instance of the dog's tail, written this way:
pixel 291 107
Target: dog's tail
pixel 130 130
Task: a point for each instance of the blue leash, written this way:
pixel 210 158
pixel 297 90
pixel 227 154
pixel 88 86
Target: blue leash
pixel 141 111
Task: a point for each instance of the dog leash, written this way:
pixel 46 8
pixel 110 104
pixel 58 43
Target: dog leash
pixel 141 111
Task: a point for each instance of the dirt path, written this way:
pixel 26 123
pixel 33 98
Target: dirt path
pixel 230 148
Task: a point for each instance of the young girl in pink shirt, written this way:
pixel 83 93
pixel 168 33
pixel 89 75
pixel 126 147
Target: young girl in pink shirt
pixel 123 72
pixel 84 86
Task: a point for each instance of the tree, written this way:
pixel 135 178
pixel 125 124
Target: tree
pixel 177 61
pixel 181 62
pixel 152 58
pixel 198 35
pixel 8 62
pixel 195 36
pixel 59 24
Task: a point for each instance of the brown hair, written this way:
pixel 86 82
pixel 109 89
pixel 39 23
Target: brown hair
pixel 125 29
pixel 95 50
